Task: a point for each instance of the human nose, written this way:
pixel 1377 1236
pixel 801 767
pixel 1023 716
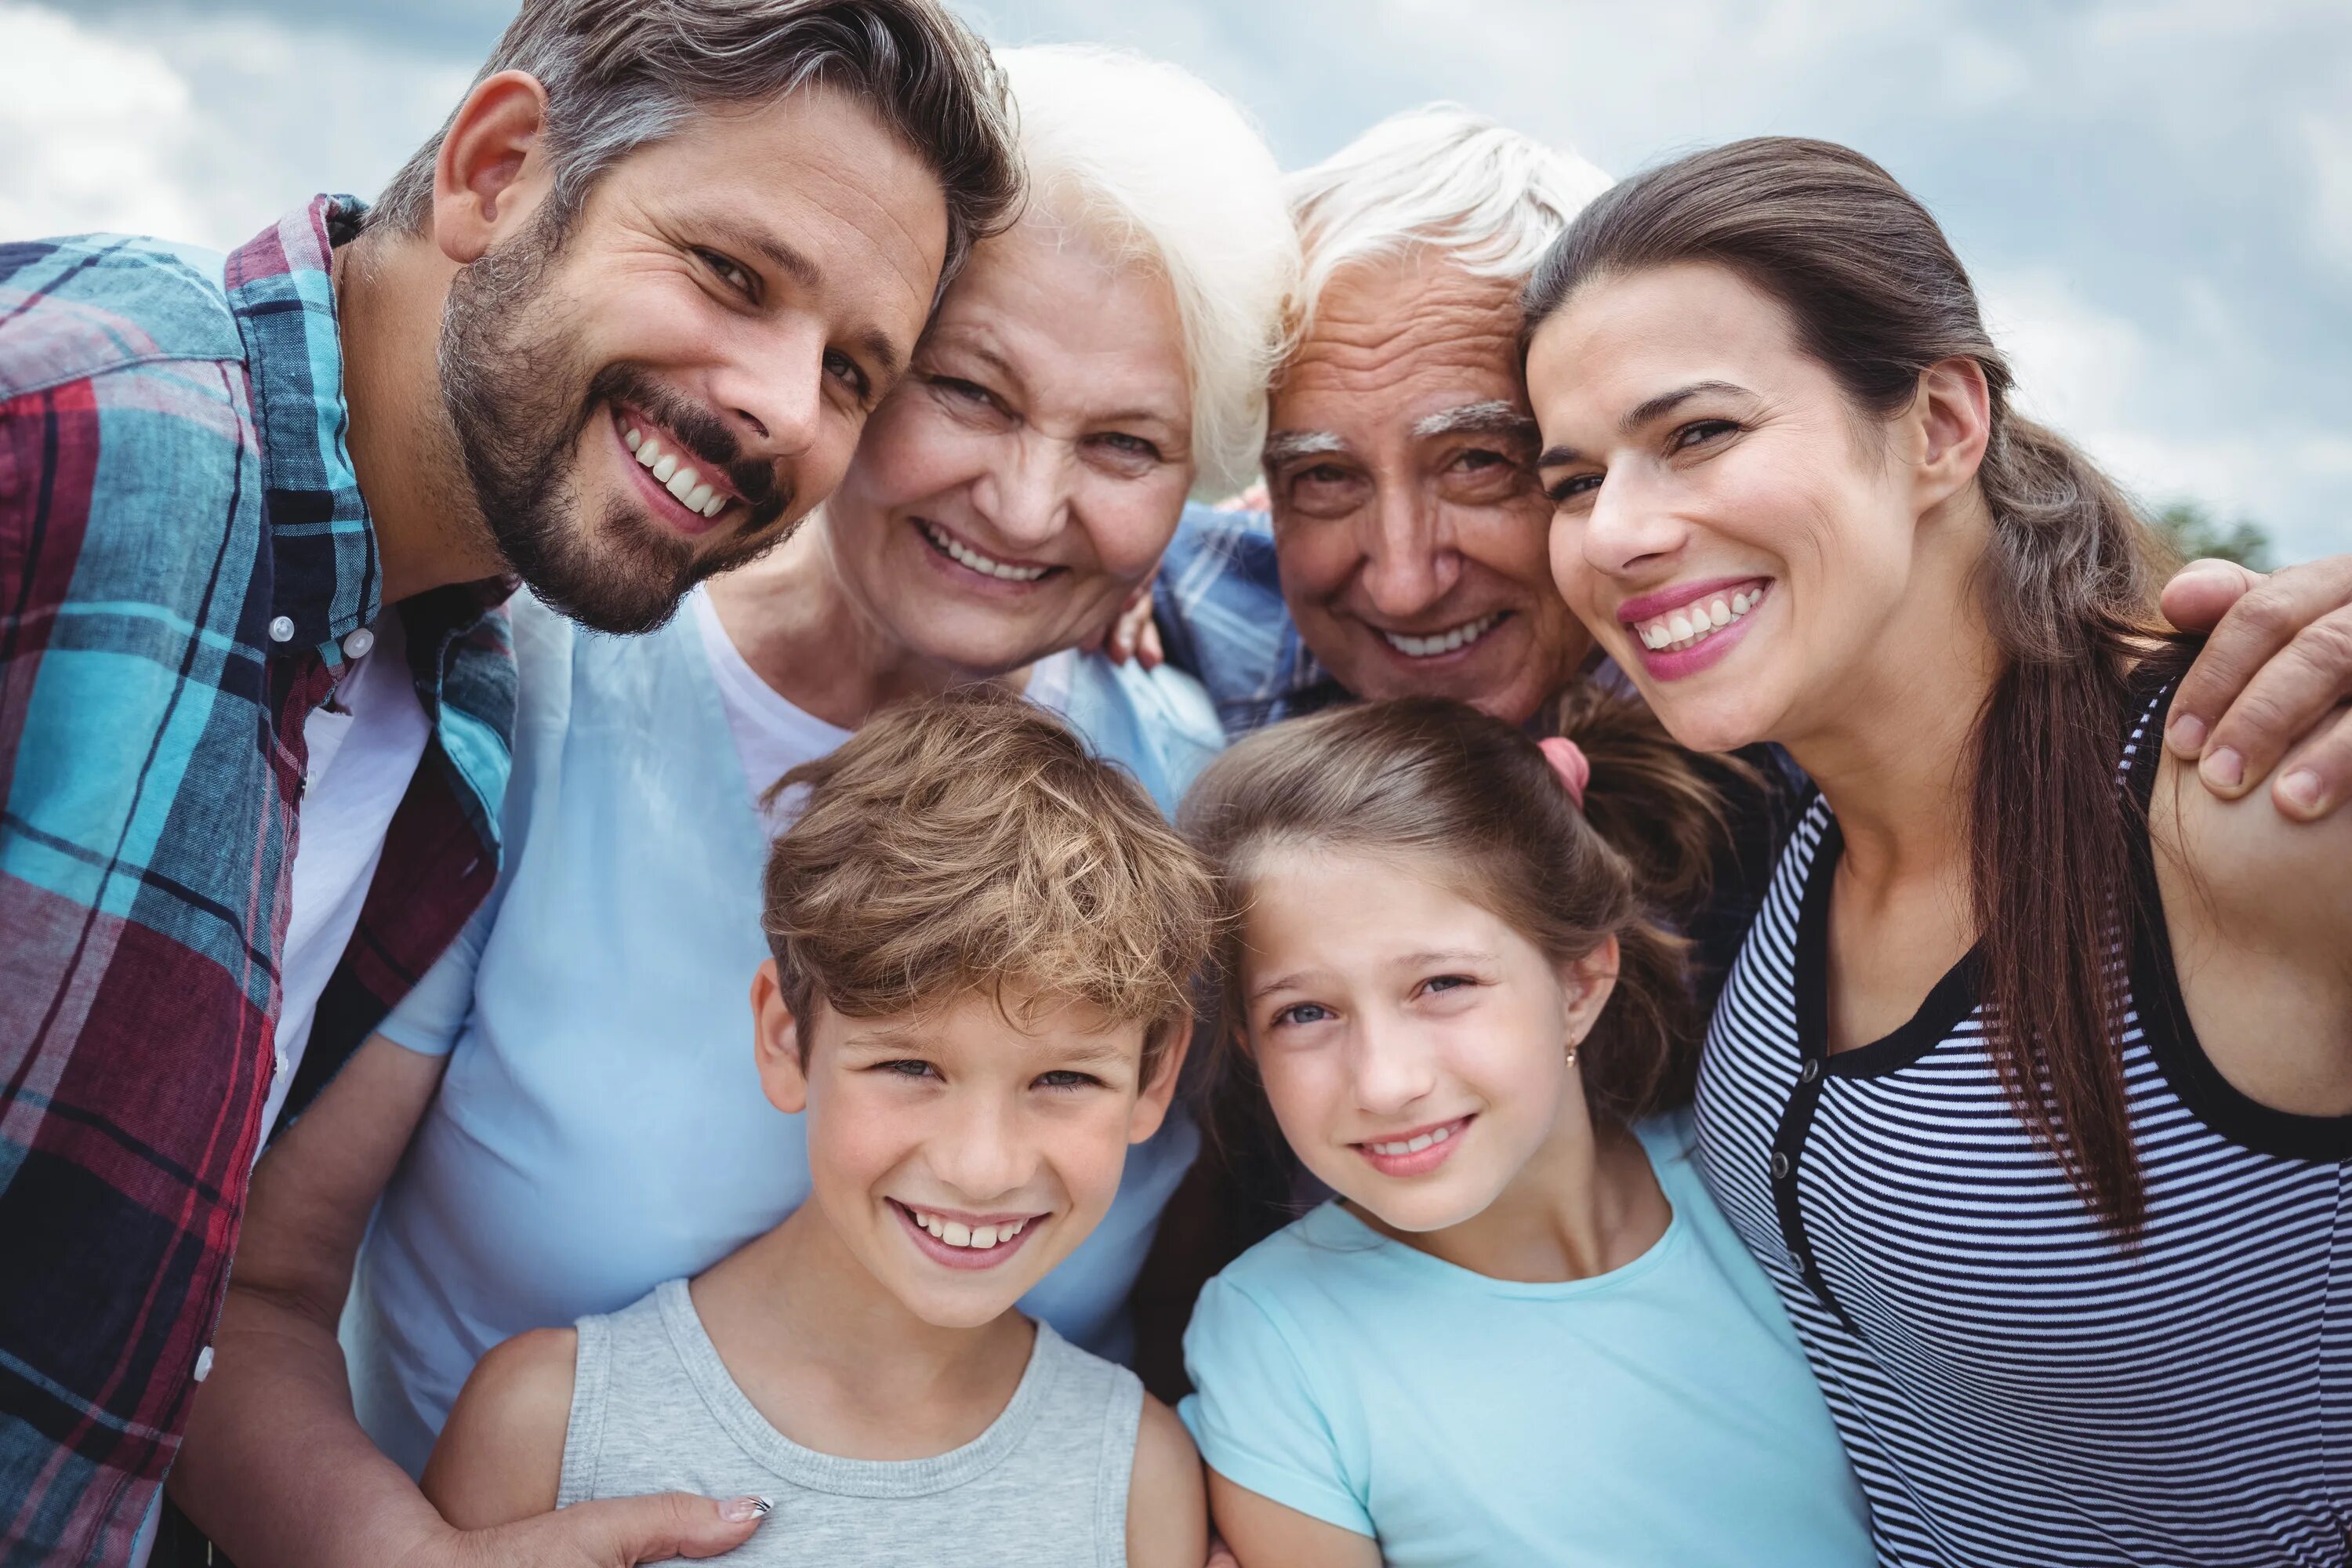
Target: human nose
pixel 980 1152
pixel 1393 1070
pixel 1629 525
pixel 1409 565
pixel 1024 495
pixel 774 399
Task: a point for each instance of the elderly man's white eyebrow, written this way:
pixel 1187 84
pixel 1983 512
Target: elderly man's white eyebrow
pixel 1492 418
pixel 1290 446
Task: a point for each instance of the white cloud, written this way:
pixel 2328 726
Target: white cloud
pixel 198 129
pixel 88 121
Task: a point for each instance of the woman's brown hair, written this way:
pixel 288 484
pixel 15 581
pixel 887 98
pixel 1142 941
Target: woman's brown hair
pixel 1473 801
pixel 1877 296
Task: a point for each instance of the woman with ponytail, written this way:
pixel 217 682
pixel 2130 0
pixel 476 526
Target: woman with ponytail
pixel 2032 1089
pixel 1522 1333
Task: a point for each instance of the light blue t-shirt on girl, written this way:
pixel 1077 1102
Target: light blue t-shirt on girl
pixel 601 1127
pixel 1660 1412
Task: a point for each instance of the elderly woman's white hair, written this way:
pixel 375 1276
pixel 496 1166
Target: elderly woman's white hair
pixel 1440 178
pixel 1150 159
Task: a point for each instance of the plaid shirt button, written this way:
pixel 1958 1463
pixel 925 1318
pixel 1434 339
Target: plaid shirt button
pixel 281 629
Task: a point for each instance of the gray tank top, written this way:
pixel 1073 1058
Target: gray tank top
pixel 653 1409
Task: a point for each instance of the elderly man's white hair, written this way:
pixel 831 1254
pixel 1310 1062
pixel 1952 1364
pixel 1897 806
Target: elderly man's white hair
pixel 1149 158
pixel 1440 178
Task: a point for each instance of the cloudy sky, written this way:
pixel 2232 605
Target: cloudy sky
pixel 2154 196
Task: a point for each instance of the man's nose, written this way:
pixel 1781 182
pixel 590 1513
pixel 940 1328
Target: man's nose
pixel 1409 562
pixel 1023 495
pixel 773 400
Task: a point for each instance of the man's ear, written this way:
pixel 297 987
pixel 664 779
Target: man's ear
pixel 1587 982
pixel 489 176
pixel 1151 1105
pixel 776 1043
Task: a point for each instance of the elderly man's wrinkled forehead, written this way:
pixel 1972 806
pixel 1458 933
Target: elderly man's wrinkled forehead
pixel 1430 344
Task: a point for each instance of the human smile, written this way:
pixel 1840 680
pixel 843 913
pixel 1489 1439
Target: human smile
pixel 1686 628
pixel 1415 1151
pixel 965 1241
pixel 971 560
pixel 1449 640
pixel 692 497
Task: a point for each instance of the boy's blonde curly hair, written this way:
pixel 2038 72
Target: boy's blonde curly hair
pixel 972 844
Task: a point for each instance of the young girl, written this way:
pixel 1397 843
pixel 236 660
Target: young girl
pixel 982 938
pixel 1522 1333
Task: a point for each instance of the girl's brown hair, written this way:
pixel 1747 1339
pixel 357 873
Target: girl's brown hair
pixel 1471 800
pixel 1877 296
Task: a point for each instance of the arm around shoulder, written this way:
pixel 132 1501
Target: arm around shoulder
pixel 500 1456
pixel 2259 908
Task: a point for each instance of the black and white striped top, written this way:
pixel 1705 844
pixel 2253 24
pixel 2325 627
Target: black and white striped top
pixel 2014 1386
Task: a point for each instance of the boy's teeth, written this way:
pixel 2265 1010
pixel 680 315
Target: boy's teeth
pixel 978 1238
pixel 964 555
pixel 1459 637
pixel 1693 623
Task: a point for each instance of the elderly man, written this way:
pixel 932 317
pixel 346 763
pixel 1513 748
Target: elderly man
pixel 1406 551
pixel 616 327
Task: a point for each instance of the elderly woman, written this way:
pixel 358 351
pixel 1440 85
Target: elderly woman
pixel 600 1128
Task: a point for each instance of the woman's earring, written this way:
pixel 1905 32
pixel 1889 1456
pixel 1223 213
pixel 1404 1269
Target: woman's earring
pixel 1571 1049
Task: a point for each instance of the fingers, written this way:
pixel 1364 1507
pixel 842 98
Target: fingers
pixel 2201 593
pixel 2272 673
pixel 1127 635
pixel 622 1532
pixel 2317 777
pixel 1147 651
pixel 1220 1555
pixel 1255 499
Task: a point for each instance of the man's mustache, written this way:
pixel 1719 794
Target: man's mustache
pixel 701 433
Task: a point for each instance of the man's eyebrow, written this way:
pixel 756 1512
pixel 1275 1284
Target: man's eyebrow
pixel 1642 414
pixel 1492 418
pixel 881 350
pixel 778 254
pixel 1291 445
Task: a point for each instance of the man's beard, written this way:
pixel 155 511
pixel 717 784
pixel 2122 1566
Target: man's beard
pixel 519 405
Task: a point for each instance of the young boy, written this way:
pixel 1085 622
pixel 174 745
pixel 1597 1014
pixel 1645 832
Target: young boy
pixel 982 941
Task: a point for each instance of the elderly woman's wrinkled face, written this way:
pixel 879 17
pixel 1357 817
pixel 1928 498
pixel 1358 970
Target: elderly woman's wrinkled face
pixel 1025 476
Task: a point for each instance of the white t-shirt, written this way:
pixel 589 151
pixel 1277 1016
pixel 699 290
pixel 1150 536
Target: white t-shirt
pixel 365 741
pixel 772 735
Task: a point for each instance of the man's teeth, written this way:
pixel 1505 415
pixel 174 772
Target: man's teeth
pixel 964 555
pixel 1696 621
pixel 1414 1145
pixel 679 478
pixel 978 1238
pixel 1462 636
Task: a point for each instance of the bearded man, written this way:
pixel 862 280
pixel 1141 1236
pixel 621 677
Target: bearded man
pixel 614 329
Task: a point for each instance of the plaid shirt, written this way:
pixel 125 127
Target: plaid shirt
pixel 182 550
pixel 1218 603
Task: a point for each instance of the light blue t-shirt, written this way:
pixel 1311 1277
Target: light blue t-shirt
pixel 601 1127
pixel 1662 1413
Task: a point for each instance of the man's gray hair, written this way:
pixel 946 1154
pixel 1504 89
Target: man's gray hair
pixel 1443 179
pixel 622 74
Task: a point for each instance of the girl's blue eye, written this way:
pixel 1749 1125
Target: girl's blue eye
pixel 1302 1013
pixel 1447 982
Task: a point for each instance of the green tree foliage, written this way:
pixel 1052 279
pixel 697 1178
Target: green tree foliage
pixel 2194 533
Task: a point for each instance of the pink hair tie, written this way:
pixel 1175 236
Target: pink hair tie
pixel 1568 761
